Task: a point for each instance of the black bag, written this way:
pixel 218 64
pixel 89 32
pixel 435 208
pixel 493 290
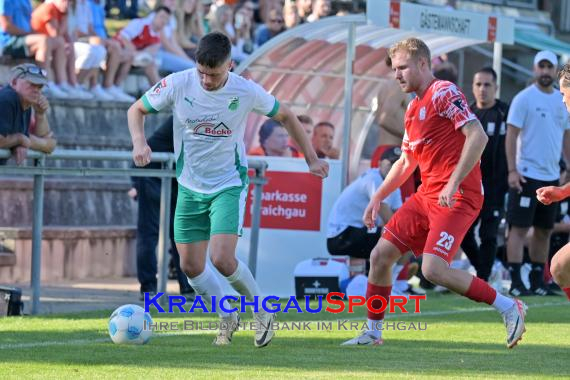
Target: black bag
pixel 11 301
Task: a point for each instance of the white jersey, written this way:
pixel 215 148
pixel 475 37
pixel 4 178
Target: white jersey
pixel 350 205
pixel 543 119
pixel 209 127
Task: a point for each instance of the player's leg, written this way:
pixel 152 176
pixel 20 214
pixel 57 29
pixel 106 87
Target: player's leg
pixel 488 231
pixel 560 269
pixel 406 231
pixel 447 229
pixel 192 234
pixel 226 217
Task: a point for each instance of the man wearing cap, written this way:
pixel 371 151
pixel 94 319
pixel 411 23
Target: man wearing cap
pixel 16 102
pixel 346 233
pixel 537 132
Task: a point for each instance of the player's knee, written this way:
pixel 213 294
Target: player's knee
pixel 558 270
pixel 379 260
pixel 433 274
pixel 223 265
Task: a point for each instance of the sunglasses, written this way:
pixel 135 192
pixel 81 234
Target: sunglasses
pixel 34 70
pixel 277 20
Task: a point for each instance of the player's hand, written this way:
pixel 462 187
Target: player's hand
pixel 447 195
pixel 371 213
pixel 516 180
pixel 549 194
pixel 320 168
pixel 141 154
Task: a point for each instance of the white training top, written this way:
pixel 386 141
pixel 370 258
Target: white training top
pixel 350 205
pixel 209 127
pixel 543 119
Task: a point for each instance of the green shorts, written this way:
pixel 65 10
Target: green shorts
pixel 199 216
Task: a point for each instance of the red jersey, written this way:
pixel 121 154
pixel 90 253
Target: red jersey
pixel 43 14
pixel 433 137
pixel 140 33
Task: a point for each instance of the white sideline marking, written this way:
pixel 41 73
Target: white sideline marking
pixel 12 346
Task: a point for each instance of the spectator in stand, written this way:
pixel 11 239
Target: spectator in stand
pixel 243 24
pixel 119 58
pixel 321 8
pixel 190 27
pixel 171 55
pixel 291 14
pixel 323 136
pixel 221 20
pixel 17 101
pixel 50 18
pixel 206 14
pixel 19 41
pixel 272 27
pixel 143 36
pixel 307 124
pixel 304 9
pixel 273 141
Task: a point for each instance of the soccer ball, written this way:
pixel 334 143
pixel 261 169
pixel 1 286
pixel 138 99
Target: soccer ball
pixel 129 324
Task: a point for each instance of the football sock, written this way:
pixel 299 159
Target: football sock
pixel 207 285
pixel 375 328
pixel 515 272
pixel 243 282
pixel 373 318
pixel 503 303
pixel 567 291
pixel 480 291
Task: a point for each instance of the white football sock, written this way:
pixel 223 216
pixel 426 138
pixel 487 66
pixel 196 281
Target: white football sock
pixel 375 328
pixel 503 303
pixel 243 282
pixel 207 285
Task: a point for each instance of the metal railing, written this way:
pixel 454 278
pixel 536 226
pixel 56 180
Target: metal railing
pixel 40 171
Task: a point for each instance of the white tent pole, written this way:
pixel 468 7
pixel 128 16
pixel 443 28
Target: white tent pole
pixel 348 80
pixel 497 60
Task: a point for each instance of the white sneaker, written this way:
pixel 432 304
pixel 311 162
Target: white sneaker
pixel 101 94
pixel 228 326
pixel 76 92
pixel 119 94
pixel 54 91
pixel 514 322
pixel 364 339
pixel 264 332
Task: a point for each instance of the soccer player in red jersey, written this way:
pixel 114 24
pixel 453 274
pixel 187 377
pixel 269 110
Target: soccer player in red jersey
pixel 560 266
pixel 446 140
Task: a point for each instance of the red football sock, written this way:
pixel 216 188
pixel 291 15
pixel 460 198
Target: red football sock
pixel 404 273
pixel 375 290
pixel 480 291
pixel 566 290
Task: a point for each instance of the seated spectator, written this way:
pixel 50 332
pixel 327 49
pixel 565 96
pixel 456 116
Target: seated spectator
pixel 323 136
pixel 143 36
pixel 221 20
pixel 16 102
pixel 321 8
pixel 119 58
pixel 19 41
pixel 304 9
pixel 291 14
pixel 50 18
pixel 272 27
pixel 190 27
pixel 346 233
pixel 273 141
pixel 171 56
pixel 307 124
pixel 244 28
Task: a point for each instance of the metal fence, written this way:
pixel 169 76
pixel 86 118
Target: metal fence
pixel 39 171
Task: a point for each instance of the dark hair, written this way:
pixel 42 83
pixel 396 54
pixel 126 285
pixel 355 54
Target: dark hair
pixel 267 129
pixel 488 70
pixel 564 75
pixel 163 8
pixel 446 71
pixel 305 119
pixel 214 49
pixel 324 124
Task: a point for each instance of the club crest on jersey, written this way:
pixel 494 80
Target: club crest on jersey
pixel 159 86
pixel 422 113
pixel 233 103
pixel 458 102
pixel 212 130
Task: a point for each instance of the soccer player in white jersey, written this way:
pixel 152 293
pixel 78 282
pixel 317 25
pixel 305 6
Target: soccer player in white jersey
pixel 210 106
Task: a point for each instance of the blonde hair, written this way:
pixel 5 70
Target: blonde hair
pixel 564 75
pixel 413 46
pixel 189 25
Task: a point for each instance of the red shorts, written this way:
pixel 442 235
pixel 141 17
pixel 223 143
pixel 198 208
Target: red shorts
pixel 423 226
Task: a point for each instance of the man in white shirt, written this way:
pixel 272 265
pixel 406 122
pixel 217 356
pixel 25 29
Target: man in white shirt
pixel 537 130
pixel 210 107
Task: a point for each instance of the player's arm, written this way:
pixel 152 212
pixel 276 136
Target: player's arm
pixel 475 141
pixel 286 117
pixel 566 148
pixel 514 177
pixel 398 174
pixel 135 117
pixel 550 194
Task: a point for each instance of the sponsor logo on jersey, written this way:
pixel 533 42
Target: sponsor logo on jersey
pixel 422 113
pixel 159 86
pixel 212 130
pixel 190 100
